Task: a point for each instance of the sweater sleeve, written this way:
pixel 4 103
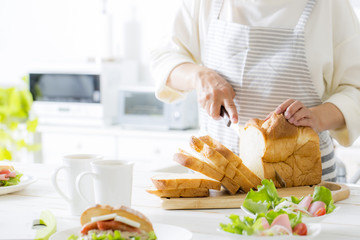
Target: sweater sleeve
pixel 181 47
pixel 344 84
pixel 346 89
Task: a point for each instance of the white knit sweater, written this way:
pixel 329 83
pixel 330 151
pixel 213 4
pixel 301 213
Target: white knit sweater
pixel 332 43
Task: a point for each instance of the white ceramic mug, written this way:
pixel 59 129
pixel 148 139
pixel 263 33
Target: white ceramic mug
pixel 112 182
pixel 73 165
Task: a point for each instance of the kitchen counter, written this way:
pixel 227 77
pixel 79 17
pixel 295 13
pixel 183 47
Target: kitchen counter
pixel 41 195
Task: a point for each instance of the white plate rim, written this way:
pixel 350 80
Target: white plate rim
pixel 185 234
pixel 304 219
pixel 315 228
pixel 29 179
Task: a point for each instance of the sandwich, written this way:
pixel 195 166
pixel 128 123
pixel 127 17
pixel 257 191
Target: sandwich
pixel 107 223
pixel 8 176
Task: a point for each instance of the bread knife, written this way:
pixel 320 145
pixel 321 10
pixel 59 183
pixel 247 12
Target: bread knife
pixel 225 115
pixel 279 179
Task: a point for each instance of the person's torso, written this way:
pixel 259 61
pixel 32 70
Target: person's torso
pixel 265 66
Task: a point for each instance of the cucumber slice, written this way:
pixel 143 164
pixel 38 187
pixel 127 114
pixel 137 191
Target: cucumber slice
pixel 49 220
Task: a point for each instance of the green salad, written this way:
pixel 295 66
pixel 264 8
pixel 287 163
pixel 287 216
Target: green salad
pixel 9 177
pixel 264 224
pixel 266 198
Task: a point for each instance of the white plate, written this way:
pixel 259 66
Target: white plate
pixel 25 181
pixel 320 218
pixel 304 218
pixel 162 231
pixel 313 230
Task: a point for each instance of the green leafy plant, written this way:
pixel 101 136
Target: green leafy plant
pixel 16 122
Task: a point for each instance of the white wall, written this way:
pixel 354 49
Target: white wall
pixel 34 32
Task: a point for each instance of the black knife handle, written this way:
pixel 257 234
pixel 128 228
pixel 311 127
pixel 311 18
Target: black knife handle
pixel 224 114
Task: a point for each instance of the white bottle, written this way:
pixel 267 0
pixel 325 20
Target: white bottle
pixel 132 37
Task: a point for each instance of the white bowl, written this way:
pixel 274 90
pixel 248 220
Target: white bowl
pixel 320 218
pixel 313 230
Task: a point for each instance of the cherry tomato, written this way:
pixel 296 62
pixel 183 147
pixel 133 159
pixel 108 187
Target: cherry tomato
pixel 300 229
pixel 320 212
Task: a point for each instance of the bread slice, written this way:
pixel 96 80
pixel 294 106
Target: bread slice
pixel 123 211
pixel 233 159
pixel 196 164
pixel 210 170
pixel 277 145
pixel 232 186
pixel 222 163
pixel 169 181
pixel 176 193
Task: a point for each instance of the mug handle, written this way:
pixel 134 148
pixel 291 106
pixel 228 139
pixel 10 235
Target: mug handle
pixel 78 182
pixel 56 183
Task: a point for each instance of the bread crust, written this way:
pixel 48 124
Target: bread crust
pixel 6 167
pixel 222 163
pixel 172 181
pixel 233 159
pixel 197 165
pixel 177 193
pixel 207 169
pixel 123 211
pixel 294 152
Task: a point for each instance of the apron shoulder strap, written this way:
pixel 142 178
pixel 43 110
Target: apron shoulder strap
pixel 300 26
pixel 216 8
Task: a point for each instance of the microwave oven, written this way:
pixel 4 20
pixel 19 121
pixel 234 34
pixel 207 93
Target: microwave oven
pixel 71 97
pixel 137 107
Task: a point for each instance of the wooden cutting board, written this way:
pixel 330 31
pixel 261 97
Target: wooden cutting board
pixel 222 199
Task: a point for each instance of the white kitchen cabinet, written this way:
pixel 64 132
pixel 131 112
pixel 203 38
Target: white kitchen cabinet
pixel 112 142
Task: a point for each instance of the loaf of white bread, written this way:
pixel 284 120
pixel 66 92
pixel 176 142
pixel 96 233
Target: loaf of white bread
pixel 265 147
pixel 275 144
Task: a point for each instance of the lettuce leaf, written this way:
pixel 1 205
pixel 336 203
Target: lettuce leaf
pixel 249 226
pixel 323 194
pixel 295 218
pixel 265 198
pixel 12 181
pixel 238 226
pixel 111 236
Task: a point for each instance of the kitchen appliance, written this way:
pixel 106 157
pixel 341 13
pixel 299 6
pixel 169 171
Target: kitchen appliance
pixel 77 94
pixel 137 107
pixel 67 97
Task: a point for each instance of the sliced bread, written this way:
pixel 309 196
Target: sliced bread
pixel 204 167
pixel 176 193
pixel 169 181
pixel 222 163
pixel 232 158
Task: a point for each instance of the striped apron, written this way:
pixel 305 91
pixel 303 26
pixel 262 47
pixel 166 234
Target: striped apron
pixel 265 66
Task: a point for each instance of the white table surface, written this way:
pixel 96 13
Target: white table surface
pixel 344 224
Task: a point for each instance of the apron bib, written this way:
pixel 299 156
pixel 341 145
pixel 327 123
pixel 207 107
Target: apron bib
pixel 265 66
